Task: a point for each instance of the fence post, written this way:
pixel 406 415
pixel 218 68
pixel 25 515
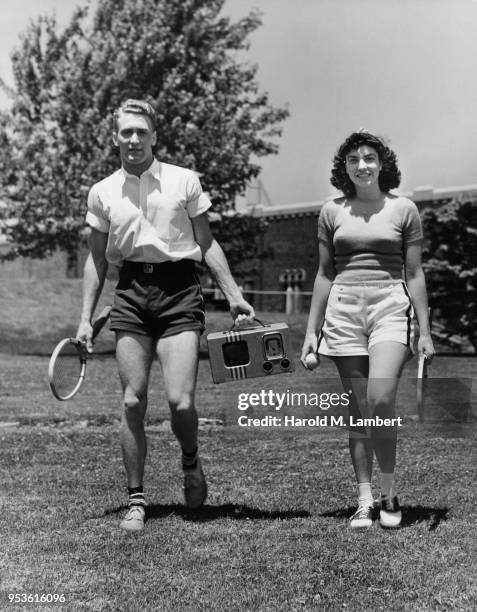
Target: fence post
pixel 292 279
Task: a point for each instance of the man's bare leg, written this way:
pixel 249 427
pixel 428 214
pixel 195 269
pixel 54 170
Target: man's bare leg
pixel 134 354
pixel 179 357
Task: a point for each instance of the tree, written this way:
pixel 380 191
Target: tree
pixel 242 236
pixel 182 55
pixel 450 263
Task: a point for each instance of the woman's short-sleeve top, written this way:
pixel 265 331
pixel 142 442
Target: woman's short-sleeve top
pixel 369 245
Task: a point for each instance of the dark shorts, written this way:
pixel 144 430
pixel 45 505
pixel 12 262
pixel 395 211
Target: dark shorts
pixel 158 300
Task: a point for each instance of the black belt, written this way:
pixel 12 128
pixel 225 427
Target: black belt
pixel 143 267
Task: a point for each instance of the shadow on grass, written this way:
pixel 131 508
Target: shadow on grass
pixel 212 513
pixel 410 515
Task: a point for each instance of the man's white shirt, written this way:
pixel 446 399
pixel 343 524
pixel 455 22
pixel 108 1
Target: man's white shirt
pixel 148 218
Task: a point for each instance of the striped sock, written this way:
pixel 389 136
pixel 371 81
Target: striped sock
pixel 189 460
pixel 136 497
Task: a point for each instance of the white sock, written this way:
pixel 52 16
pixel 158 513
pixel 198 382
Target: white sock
pixel 365 496
pixel 387 483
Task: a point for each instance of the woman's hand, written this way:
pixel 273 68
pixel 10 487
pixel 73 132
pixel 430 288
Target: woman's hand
pixel 425 347
pixel 310 345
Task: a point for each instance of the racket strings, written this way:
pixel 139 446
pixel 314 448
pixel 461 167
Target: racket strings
pixel 67 370
pixel 67 365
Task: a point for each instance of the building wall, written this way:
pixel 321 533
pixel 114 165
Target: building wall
pixel 54 266
pixel 24 268
pixel 290 243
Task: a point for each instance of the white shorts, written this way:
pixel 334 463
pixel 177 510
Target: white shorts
pixel 359 316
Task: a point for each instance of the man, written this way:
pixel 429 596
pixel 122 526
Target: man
pixel 150 219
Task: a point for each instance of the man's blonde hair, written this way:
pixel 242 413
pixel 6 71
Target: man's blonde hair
pixel 138 107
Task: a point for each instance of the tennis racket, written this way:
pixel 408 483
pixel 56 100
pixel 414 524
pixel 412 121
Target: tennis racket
pixel 422 376
pixel 67 367
pixel 421 384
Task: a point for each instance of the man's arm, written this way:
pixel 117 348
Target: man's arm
pixel 216 261
pixel 95 270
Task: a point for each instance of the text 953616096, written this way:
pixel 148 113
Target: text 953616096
pixel 36 598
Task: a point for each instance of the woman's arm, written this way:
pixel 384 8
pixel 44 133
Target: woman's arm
pixel 417 288
pixel 321 289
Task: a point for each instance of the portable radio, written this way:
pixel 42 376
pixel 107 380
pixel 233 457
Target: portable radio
pixel 249 353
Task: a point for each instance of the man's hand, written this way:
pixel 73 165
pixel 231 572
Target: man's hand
pixel 241 310
pixel 85 334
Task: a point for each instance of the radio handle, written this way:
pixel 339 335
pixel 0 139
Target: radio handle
pixel 251 327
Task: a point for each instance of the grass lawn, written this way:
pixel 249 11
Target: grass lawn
pixel 273 534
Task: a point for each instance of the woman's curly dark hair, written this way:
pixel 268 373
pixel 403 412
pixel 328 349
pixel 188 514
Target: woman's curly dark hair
pixel 389 177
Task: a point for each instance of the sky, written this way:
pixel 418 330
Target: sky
pixel 403 69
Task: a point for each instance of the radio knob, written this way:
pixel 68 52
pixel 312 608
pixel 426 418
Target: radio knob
pixel 267 366
pixel 285 364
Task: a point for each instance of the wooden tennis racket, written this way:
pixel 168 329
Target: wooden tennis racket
pixel 422 366
pixel 421 386
pixel 67 366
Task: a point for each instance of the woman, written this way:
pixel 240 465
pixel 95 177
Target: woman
pixel 369 279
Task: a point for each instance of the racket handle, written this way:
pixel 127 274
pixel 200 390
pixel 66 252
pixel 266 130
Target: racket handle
pixel 101 320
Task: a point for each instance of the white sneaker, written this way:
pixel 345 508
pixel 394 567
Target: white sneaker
pixel 390 515
pixel 362 518
pixel 195 486
pixel 134 519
